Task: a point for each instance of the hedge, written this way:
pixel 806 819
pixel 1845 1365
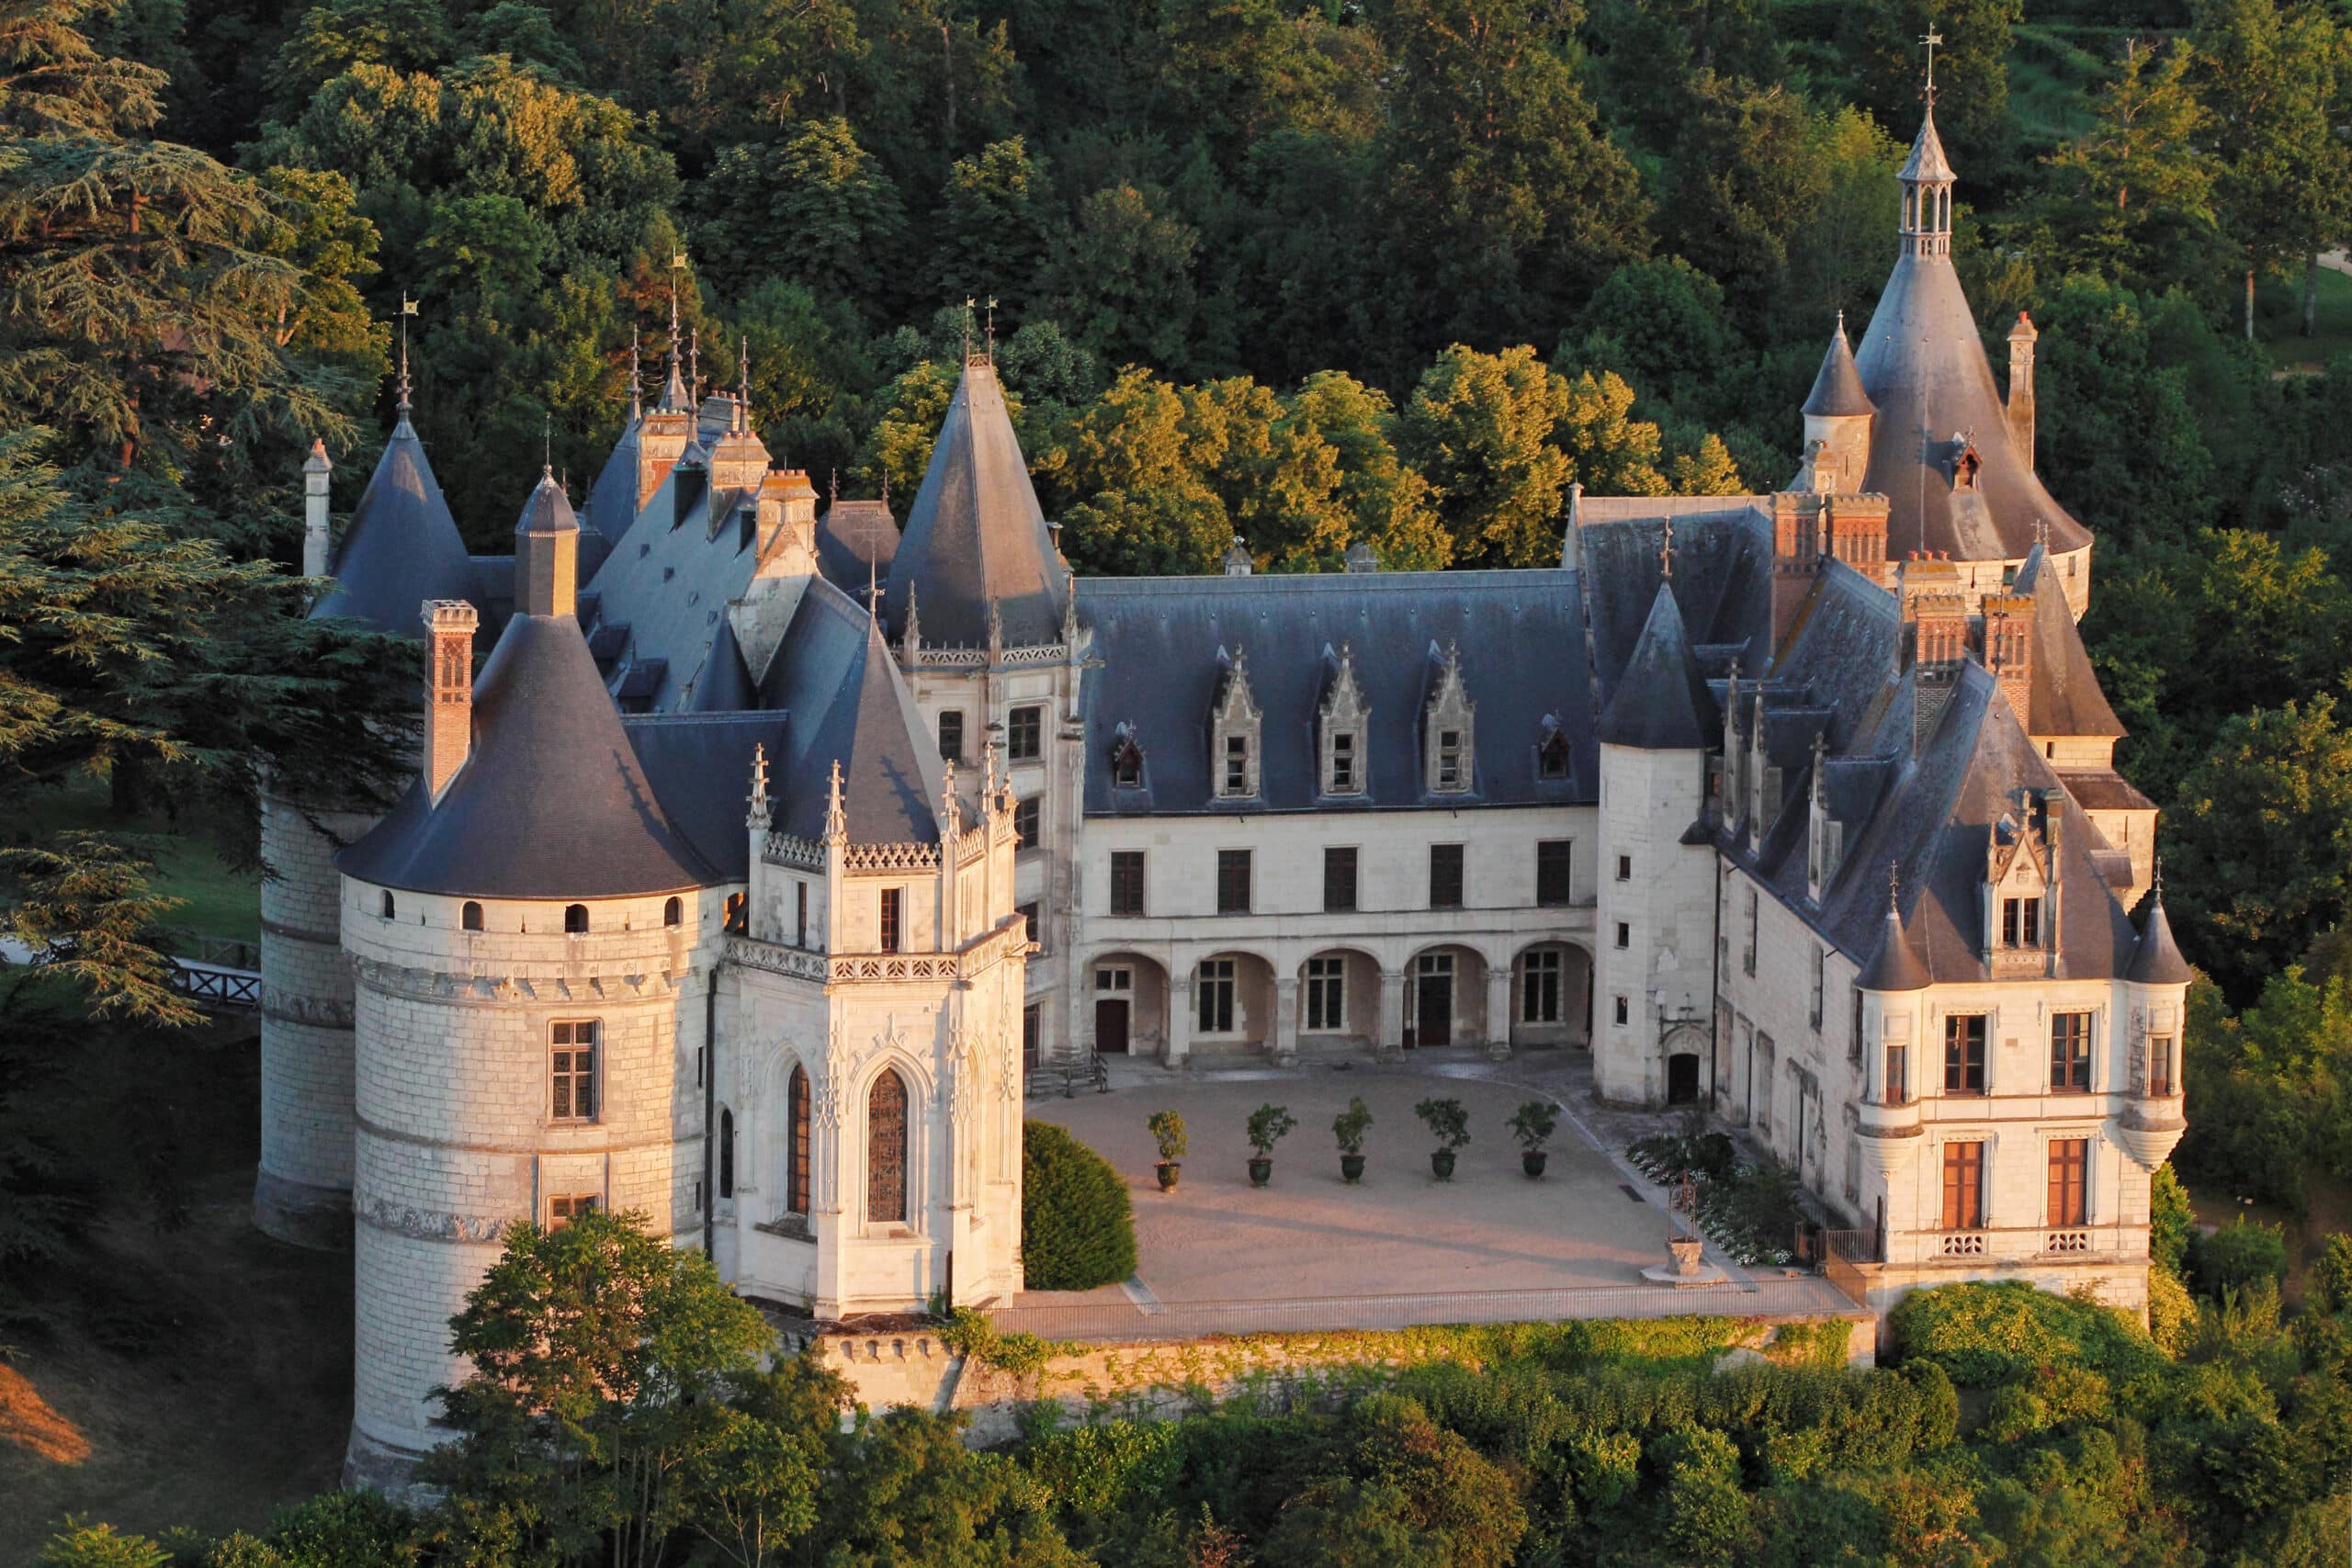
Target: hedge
pixel 1077 1229
pixel 1992 1331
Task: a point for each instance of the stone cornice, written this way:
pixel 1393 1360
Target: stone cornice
pixel 552 987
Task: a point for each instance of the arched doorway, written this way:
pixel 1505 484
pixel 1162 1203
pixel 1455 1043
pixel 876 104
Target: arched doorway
pixel 1551 995
pixel 1233 1003
pixel 1127 1004
pixel 1445 998
pixel 1682 1078
pixel 1339 996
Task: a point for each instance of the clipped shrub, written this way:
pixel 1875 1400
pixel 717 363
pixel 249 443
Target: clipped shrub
pixel 2236 1255
pixel 1078 1230
pixel 1992 1332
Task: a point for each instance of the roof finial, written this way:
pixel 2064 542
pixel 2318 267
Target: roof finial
pixel 693 368
pixel 635 381
pixel 546 445
pixel 677 264
pixel 836 819
pixel 832 488
pixel 408 309
pixel 759 816
pixel 885 489
pixel 743 380
pixel 1666 552
pixel 967 329
pixel 1893 889
pixel 991 329
pixel 2159 886
pixel 873 590
pixel 1931 38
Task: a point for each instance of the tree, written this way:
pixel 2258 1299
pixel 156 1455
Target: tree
pixel 1741 184
pixel 1389 504
pixel 331 39
pixel 1123 278
pixel 1881 42
pixel 1137 499
pixel 2262 836
pixel 991 230
pixel 1479 428
pixel 1660 324
pixel 2137 187
pixel 816 209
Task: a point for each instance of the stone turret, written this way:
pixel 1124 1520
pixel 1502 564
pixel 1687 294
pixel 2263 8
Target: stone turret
pixel 2019 404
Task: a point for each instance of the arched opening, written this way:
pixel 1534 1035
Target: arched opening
pixel 674 913
pixel 1128 994
pixel 738 916
pixel 886 1150
pixel 1233 1003
pixel 1550 999
pixel 1682 1078
pixel 575 918
pixel 1339 996
pixel 796 1112
pixel 726 1153
pixel 1445 998
pixel 386 908
pixel 470 918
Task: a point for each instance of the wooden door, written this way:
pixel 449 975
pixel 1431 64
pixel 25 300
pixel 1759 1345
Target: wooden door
pixel 1111 1025
pixel 1433 1010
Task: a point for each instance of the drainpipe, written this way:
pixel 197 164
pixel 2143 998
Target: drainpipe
pixel 710 1110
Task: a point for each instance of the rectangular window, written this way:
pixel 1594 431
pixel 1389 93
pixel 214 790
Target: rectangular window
pixel 1028 913
pixel 1233 882
pixel 564 1210
pixel 1552 891
pixel 1621 1009
pixel 2021 922
pixel 1896 1090
pixel 571 1070
pixel 1339 881
pixel 2069 1195
pixel 1445 876
pixel 1126 882
pixel 1964 1054
pixel 2070 1052
pixel 1025 821
pixel 2163 1064
pixel 800 914
pixel 1026 736
pixel 1625 868
pixel 1450 760
pixel 1215 998
pixel 1032 1020
pixel 1749 962
pixel 951 735
pixel 1963 1187
pixel 890 920
pixel 1237 765
pixel 1343 762
pixel 1326 993
pixel 1539 987
pixel 1820 979
pixel 1625 935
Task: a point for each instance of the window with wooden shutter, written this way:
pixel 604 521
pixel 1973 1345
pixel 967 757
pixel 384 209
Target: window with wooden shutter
pixel 1963 1187
pixel 1964 1054
pixel 2069 1194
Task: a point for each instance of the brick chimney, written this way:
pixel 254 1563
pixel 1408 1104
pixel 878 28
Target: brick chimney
pixel 2008 648
pixel 449 691
pixel 316 469
pixel 1934 614
pixel 2021 402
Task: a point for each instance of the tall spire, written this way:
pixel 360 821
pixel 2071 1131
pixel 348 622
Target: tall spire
pixel 744 381
pixel 673 396
pixel 1927 178
pixel 693 368
pixel 408 309
pixel 636 383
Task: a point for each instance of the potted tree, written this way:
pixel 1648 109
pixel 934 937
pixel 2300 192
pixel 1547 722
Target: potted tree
pixel 1168 1131
pixel 1268 1125
pixel 1448 1123
pixel 1350 1126
pixel 1533 1126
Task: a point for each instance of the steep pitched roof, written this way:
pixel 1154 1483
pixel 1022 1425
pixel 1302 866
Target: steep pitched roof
pixel 976 535
pixel 2064 698
pixel 1896 966
pixel 850 705
pixel 401 547
pixel 552 803
pixel 1927 162
pixel 857 541
pixel 1660 704
pixel 1838 386
pixel 2157 960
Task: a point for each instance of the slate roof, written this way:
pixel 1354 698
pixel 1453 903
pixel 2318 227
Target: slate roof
pixel 1156 669
pixel 1660 702
pixel 2155 960
pixel 402 546
pixel 1927 162
pixel 1896 965
pixel 1722 548
pixel 1838 386
pixel 852 535
pixel 700 767
pixel 2065 696
pixel 976 535
pixel 1923 365
pixel 667 582
pixel 553 802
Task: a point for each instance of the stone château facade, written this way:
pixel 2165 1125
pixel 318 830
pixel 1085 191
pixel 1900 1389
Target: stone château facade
pixel 768 849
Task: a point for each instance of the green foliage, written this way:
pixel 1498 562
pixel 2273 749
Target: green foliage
pixel 1534 1122
pixel 1993 1333
pixel 1269 1124
pixel 2331 1275
pixel 1167 1128
pixel 2170 1219
pixel 81 1545
pixel 1077 1226
pixel 2240 1254
pixel 1350 1126
pixel 1448 1122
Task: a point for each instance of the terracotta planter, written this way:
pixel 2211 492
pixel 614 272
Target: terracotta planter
pixel 1351 1167
pixel 1686 1255
pixel 1532 1162
pixel 1262 1169
pixel 1442 1164
pixel 1169 1171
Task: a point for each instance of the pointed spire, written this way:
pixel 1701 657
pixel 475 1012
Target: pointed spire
pixel 911 636
pixel 744 381
pixel 1896 966
pixel 693 368
pixel 408 309
pixel 951 812
pixel 1660 702
pixel 991 329
pixel 761 816
pixel 673 395
pixel 1927 178
pixel 1666 552
pixel 2157 960
pixel 836 817
pixel 1838 386
pixel 636 382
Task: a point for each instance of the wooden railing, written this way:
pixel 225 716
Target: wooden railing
pixel 1842 1253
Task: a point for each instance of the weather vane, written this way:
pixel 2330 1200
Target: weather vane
pixel 1931 38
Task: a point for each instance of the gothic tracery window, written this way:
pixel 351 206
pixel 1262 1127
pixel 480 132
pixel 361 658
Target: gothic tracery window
pixel 796 1114
pixel 886 1150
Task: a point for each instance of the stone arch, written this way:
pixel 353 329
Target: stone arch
pixel 887 1167
pixel 764 1172
pixel 1445 996
pixel 1125 1003
pixel 1551 994
pixel 1233 1002
pixel 851 1152
pixel 1353 974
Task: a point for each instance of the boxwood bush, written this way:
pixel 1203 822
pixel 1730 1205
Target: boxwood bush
pixel 1077 1230
pixel 1990 1333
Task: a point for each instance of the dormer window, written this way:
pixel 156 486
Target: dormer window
pixel 1127 758
pixel 1446 734
pixel 1340 721
pixel 1552 753
pixel 1343 763
pixel 1234 731
pixel 2021 922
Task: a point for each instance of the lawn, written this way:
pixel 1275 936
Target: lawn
pixel 220 901
pixel 2278 321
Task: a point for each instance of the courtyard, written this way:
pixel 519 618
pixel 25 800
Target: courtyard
pixel 1310 1250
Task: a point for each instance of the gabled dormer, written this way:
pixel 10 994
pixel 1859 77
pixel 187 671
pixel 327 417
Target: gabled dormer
pixel 1447 719
pixel 1825 835
pixel 2020 888
pixel 1236 730
pixel 1553 760
pixel 1126 758
pixel 1342 724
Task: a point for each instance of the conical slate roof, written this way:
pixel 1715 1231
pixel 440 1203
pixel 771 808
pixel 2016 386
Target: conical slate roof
pixel 850 705
pixel 1838 388
pixel 1661 703
pixel 549 510
pixel 1896 966
pixel 2157 960
pixel 976 535
pixel 1927 164
pixel 401 547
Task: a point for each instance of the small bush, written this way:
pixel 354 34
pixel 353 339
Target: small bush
pixel 2236 1255
pixel 1992 1331
pixel 1077 1228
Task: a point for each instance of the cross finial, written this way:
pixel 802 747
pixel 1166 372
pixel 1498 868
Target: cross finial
pixel 1894 887
pixel 1665 551
pixel 873 590
pixel 408 309
pixel 967 326
pixel 743 379
pixel 1931 38
pixel 636 383
pixel 991 329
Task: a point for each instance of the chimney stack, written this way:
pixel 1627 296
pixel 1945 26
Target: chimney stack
pixel 2008 648
pixel 2021 402
pixel 315 471
pixel 449 691
pixel 546 553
